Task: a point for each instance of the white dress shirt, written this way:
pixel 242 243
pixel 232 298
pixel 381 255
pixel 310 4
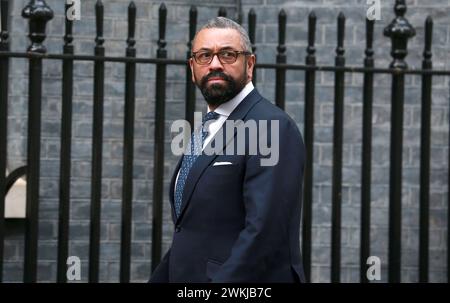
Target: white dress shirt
pixel 224 110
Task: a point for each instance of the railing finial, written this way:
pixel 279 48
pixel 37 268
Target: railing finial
pixel 162 30
pixel 39 14
pixel 222 12
pixel 4 35
pixel 400 30
pixel 99 40
pixel 281 32
pixel 252 28
pixel 192 27
pixel 131 41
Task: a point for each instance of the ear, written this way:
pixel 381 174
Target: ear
pixel 251 61
pixel 191 64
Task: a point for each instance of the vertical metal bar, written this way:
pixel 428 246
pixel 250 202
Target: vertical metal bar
pixel 239 12
pixel 4 68
pixel 39 13
pixel 252 36
pixel 190 87
pixel 366 156
pixel 280 82
pixel 425 154
pixel 97 145
pixel 65 166
pixel 399 31
pixel 310 81
pixel 159 141
pixel 127 188
pixel 337 154
pixel 398 83
pixel 33 170
pixel 222 12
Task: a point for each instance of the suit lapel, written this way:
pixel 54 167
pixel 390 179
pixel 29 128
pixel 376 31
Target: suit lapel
pixel 172 187
pixel 204 160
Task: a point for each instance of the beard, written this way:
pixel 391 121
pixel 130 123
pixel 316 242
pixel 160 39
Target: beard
pixel 219 93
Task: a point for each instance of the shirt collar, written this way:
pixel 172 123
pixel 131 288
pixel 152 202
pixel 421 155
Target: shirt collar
pixel 225 109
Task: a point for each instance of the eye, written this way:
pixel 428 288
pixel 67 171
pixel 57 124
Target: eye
pixel 204 56
pixel 227 54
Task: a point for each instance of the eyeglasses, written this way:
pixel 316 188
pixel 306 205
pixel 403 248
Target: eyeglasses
pixel 225 56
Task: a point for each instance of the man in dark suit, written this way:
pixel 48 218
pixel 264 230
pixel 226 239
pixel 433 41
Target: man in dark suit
pixel 237 219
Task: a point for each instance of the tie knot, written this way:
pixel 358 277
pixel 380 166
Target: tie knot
pixel 210 116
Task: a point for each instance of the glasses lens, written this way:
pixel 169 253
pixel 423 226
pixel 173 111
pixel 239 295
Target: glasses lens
pixel 203 57
pixel 225 56
pixel 228 56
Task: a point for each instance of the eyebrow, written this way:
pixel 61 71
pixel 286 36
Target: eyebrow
pixel 220 49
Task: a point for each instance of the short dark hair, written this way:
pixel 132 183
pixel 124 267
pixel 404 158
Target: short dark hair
pixel 222 22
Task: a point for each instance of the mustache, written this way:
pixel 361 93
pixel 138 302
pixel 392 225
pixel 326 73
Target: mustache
pixel 215 74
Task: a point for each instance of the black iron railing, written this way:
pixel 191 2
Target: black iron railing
pixel 39 13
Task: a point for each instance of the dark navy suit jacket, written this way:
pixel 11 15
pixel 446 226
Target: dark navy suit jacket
pixel 240 222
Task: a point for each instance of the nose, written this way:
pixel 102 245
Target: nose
pixel 215 63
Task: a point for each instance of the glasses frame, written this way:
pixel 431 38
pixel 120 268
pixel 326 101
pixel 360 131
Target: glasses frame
pixel 237 53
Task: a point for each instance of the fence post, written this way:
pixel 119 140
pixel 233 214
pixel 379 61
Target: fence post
pixel 4 68
pixel 366 152
pixel 65 154
pixel 337 153
pixel 310 81
pixel 128 147
pixel 399 30
pixel 97 146
pixel 280 82
pixel 39 13
pixel 222 12
pixel 158 161
pixel 190 87
pixel 252 36
pixel 425 154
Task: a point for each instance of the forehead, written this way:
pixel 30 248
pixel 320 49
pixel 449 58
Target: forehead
pixel 216 38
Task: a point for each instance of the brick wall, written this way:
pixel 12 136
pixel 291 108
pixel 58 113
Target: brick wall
pixel 115 29
pixel 326 37
pixel 115 33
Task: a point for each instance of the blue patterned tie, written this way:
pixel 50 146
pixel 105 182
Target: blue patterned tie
pixel 189 159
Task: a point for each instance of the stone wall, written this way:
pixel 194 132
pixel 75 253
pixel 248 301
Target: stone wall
pixel 115 31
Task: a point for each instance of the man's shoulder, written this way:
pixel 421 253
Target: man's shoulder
pixel 266 110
